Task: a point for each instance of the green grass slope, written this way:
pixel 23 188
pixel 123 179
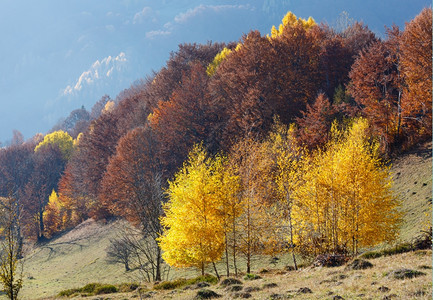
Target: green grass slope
pixel 74 259
pixel 78 257
pixel 412 174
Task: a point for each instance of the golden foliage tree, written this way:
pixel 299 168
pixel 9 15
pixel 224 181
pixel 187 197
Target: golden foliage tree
pixel 53 215
pixel 255 227
pixel 347 201
pixel 60 138
pixel 291 20
pixel 232 209
pixel 193 221
pixel 287 158
pixel 211 68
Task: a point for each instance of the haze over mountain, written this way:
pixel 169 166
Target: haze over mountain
pixel 59 55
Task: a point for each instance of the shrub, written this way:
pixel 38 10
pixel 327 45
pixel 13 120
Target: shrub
pixel 128 287
pixel 201 284
pixel 359 264
pixel 250 276
pixel 371 254
pixel 170 285
pixel 230 281
pixel 181 282
pixel 234 288
pixel 206 278
pixel 424 267
pixel 69 292
pixel 304 290
pixel 400 248
pixel 250 289
pixel 424 241
pixel 405 273
pixel 270 285
pixel 206 294
pixel 105 289
pixel 89 288
pixel 397 249
pixel 330 260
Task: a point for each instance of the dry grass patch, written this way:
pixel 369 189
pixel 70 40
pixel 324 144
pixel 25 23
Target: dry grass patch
pixel 324 283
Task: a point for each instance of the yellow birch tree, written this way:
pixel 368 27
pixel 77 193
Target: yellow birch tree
pixel 256 228
pixel 52 215
pixel 60 138
pixel 370 213
pixel 347 201
pixel 232 209
pixel 287 157
pixel 193 222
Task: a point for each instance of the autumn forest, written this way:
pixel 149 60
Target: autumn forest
pixel 279 142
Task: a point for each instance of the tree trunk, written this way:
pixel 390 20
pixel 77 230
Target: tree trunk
pixel 248 237
pixel 216 271
pixel 227 256
pixel 234 251
pixel 41 225
pixel 20 243
pixel 292 245
pixel 248 260
pixel 158 264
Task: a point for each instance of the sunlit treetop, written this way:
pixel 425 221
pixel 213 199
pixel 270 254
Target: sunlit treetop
pixel 109 106
pixel 291 20
pixel 77 140
pixel 211 68
pixel 60 138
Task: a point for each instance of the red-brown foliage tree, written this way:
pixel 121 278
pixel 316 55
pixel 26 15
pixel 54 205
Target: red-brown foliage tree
pixel 416 58
pixel 189 117
pixel 357 37
pixel 335 61
pixel 132 187
pixel 71 195
pixel 266 76
pixel 376 87
pixel 49 164
pixel 316 121
pixel 170 78
pixel 127 183
pixel 296 69
pixel 16 167
pixel 242 86
pixel 98 107
pixel 75 123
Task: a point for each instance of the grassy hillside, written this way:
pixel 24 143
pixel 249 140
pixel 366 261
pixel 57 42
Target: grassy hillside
pixel 78 257
pixel 412 174
pixel 377 282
